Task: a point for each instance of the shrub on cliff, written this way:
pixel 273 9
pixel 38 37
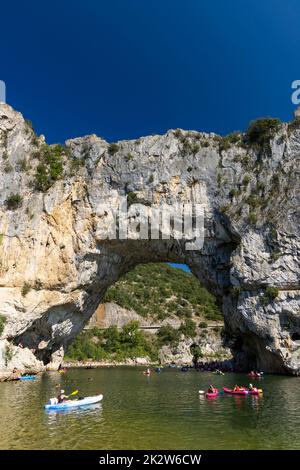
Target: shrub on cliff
pixel 271 293
pixel 2 323
pixel 228 140
pixel 262 130
pixel 14 201
pixel 50 168
pixel 113 148
pixel 25 289
pixel 235 291
pixel 188 328
pixel 168 335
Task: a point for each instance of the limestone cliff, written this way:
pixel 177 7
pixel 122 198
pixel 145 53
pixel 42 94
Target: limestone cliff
pixel 55 266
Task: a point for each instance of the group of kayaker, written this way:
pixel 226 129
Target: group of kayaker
pixel 255 374
pixel 237 388
pixel 218 372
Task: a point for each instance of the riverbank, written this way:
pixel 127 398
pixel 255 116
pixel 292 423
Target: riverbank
pixel 209 366
pixel 130 346
pixel 99 364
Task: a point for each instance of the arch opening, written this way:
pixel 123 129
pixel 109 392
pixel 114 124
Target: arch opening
pixel 158 313
pixel 295 336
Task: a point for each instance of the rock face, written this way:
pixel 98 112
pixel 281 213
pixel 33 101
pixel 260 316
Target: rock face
pixel 55 265
pixel 109 314
pixel 211 346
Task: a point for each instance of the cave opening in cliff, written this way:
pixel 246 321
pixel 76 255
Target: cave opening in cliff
pixel 295 336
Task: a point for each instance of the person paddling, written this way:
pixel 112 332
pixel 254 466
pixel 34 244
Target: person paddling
pixel 237 388
pixel 211 389
pixel 252 389
pixel 16 374
pixel 61 396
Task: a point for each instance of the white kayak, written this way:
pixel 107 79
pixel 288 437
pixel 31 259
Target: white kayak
pixel 51 405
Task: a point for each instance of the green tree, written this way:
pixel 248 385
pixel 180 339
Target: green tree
pixel 168 335
pixel 188 328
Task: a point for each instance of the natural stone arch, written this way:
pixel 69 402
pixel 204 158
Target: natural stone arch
pixel 54 242
pixel 116 259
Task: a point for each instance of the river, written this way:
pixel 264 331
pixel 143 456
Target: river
pixel 163 411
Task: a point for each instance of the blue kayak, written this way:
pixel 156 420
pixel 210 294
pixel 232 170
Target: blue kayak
pixel 66 405
pixel 28 377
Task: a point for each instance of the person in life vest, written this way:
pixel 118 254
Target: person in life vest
pixel 237 388
pixel 61 396
pixel 252 389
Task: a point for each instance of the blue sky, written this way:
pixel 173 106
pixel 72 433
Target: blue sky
pixel 184 267
pixel 125 68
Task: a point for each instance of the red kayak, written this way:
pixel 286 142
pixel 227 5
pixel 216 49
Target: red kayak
pixel 254 376
pixel 242 391
pixel 212 395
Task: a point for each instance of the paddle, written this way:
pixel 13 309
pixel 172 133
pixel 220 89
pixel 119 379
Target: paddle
pixel 71 394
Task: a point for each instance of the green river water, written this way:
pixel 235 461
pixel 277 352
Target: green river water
pixel 163 411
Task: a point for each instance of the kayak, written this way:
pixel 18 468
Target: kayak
pixel 236 392
pixel 212 395
pixel 27 377
pixel 254 376
pixel 66 405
